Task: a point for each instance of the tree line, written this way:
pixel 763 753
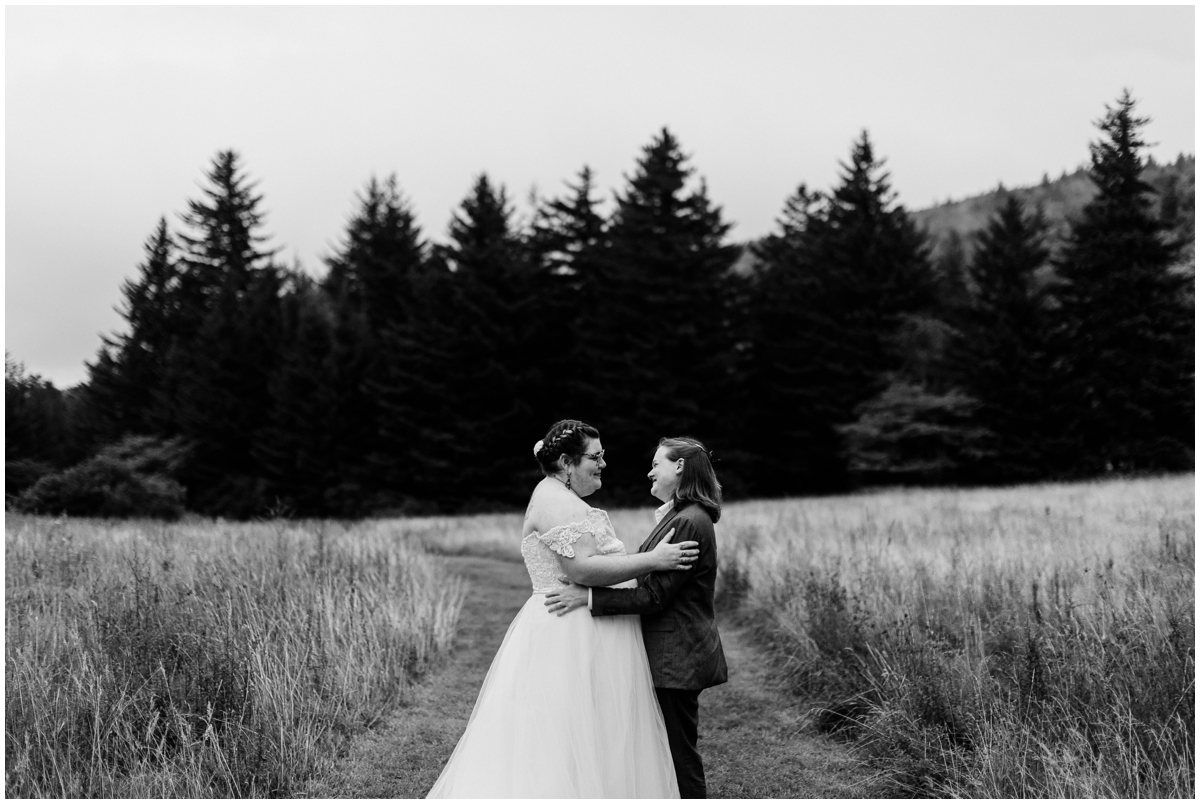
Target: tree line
pixel 415 376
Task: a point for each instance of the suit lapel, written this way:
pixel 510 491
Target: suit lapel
pixel 656 535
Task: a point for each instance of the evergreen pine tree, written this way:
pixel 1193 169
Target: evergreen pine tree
pixel 494 304
pixel 455 394
pixel 371 282
pixel 125 381
pixel 565 242
pixel 656 337
pixel 1127 322
pixel 222 239
pixel 227 339
pixel 35 422
pixel 297 446
pixel 1001 356
pixel 847 293
pixel 225 399
pixel 356 355
pixel 566 231
pixel 373 269
pixel 878 264
pixel 950 270
pixel 787 426
pixel 414 388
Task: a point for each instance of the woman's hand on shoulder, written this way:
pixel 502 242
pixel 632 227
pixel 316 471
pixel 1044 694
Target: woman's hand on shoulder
pixel 669 556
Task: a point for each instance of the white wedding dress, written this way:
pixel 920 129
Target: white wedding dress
pixel 567 709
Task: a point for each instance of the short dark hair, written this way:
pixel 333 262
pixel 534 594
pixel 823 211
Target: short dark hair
pixel 698 483
pixel 568 437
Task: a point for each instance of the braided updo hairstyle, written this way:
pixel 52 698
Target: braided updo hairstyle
pixel 568 437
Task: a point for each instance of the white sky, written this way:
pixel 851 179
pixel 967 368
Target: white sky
pixel 112 116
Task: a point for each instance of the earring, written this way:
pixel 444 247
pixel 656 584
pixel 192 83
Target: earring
pixel 568 481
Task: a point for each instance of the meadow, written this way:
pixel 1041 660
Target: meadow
pixel 1028 641
pixel 204 659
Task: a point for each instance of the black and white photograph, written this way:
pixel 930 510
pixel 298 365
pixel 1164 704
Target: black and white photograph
pixel 599 401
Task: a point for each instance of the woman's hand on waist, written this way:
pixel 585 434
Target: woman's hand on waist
pixel 570 597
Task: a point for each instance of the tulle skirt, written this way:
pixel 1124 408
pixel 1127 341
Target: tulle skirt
pixel 567 710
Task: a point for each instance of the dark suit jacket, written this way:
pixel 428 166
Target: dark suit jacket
pixel 678 621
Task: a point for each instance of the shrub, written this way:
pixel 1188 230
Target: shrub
pixel 103 486
pixel 20 475
pixel 149 455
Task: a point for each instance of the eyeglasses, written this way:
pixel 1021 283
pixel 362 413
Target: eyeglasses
pixel 595 456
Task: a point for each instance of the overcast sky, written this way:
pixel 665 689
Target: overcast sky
pixel 112 116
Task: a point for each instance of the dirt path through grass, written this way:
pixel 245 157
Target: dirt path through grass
pixel 752 734
pixel 755 740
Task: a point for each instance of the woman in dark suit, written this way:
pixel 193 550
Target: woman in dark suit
pixel 679 624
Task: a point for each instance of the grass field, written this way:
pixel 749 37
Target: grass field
pixel 1034 641
pixel 1027 641
pixel 205 660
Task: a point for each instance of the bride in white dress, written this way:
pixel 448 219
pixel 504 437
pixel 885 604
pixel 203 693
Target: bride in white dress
pixel 568 709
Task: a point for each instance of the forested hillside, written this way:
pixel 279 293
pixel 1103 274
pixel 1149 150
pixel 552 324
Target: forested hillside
pixel 1064 198
pixel 1061 200
pixel 859 343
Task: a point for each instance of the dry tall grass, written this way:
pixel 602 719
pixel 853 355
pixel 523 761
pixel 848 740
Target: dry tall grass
pixel 1034 641
pixel 199 660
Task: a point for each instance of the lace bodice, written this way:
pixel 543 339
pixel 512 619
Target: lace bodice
pixel 539 549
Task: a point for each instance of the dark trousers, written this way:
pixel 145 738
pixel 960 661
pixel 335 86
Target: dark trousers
pixel 681 711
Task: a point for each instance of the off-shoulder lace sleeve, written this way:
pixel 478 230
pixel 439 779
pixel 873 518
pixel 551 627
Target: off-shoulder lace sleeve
pixel 561 539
